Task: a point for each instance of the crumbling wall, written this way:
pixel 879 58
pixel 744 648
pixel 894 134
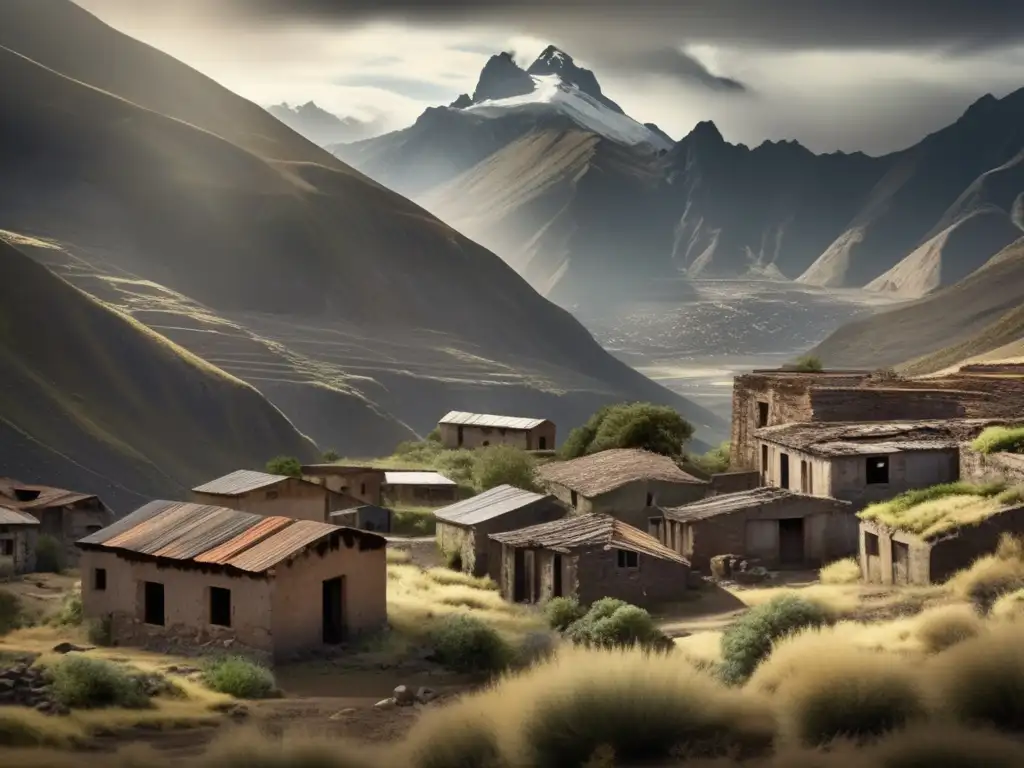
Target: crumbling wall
pixel 978 467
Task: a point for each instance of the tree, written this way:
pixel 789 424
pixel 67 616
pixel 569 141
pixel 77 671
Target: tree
pixel 654 428
pixel 285 465
pixel 714 461
pixel 331 455
pixel 504 465
pixel 809 364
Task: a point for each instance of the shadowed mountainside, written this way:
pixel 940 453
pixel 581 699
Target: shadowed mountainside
pixel 356 312
pixel 95 401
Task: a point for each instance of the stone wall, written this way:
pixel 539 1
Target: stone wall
pixel 888 404
pixel 653 582
pixel 734 482
pixel 181 639
pixel 977 467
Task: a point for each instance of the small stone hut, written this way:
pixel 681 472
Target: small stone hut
pixel 185 575
pixel 478 430
pixel 464 527
pixel 778 527
pixel 624 482
pixel 63 515
pixel 18 536
pixel 893 556
pixel 360 482
pixel 264 494
pixel 419 489
pixel 588 557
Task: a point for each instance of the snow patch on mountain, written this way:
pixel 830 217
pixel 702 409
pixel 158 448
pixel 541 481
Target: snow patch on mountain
pixel 580 107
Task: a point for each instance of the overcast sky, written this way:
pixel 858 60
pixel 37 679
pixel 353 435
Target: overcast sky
pixel 871 75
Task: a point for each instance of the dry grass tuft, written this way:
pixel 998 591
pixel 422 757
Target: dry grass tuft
pixel 992 576
pixel 940 628
pixel 398 556
pixel 446 576
pixel 929 512
pixel 841 572
pixel 1009 607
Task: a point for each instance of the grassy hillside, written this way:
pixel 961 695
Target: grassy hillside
pixel 96 401
pixel 358 313
pixel 976 315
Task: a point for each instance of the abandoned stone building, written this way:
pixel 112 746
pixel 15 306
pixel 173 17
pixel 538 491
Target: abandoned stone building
pixel 477 430
pixel 780 528
pixel 180 574
pixel 464 527
pixel 892 556
pixel 588 557
pixel 363 483
pixel 978 467
pixel 419 489
pixel 863 462
pixel 768 398
pixel 366 517
pixel 18 537
pixel 63 515
pixel 265 494
pixel 623 482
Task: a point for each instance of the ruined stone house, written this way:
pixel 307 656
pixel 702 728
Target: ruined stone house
pixel 781 528
pixel 892 556
pixel 419 489
pixel 18 535
pixel 863 462
pixel 477 430
pixel 187 575
pixel 63 515
pixel 366 517
pixel 624 482
pixel 464 527
pixel 363 483
pixel 588 557
pixel 265 494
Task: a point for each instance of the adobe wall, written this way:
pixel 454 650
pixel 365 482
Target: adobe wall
pixel 22 559
pixel 653 582
pixel 629 502
pixel 478 437
pixel 364 486
pixel 907 471
pixel 293 498
pixel 734 482
pixel 884 404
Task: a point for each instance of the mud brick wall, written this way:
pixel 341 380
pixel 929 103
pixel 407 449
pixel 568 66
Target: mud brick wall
pixel 878 404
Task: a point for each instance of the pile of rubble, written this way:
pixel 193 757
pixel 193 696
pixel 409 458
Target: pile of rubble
pixel 23 685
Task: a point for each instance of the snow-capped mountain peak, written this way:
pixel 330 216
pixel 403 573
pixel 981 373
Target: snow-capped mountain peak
pixel 554 81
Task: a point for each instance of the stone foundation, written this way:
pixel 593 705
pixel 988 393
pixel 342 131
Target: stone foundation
pixel 183 640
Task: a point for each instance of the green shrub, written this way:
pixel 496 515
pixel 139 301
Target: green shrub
pixel 457 466
pixel 654 428
pixel 504 465
pixel 70 613
pixel 613 623
pixel 434 435
pixel 100 632
pixel 79 682
pixel 714 461
pixel 331 455
pixel 10 612
pixel 413 521
pixel 809 364
pixel 563 611
pixel 285 465
pixel 1000 439
pixel 749 640
pixel 49 555
pixel 466 644
pixel 239 677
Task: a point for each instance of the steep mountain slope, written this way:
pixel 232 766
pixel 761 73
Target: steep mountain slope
pixel 356 312
pixel 706 208
pixel 95 401
pixel 978 314
pixel 322 127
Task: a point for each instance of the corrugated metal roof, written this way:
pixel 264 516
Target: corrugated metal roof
pixel 588 531
pixel 416 478
pixel 488 505
pixel 14 517
pixel 728 503
pixel 208 534
pixel 490 420
pixel 239 482
pixel 46 497
pixel 249 537
pixel 281 545
pixel 605 471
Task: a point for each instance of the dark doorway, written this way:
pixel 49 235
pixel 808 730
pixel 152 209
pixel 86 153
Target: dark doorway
pixel 762 414
pixel 877 470
pixel 764 461
pixel 791 541
pixel 784 470
pixel 220 607
pixel 805 477
pixel 542 443
pixel 334 610
pixel 900 563
pixel 556 565
pixel 460 436
pixel 519 576
pixel 650 499
pixel 153 599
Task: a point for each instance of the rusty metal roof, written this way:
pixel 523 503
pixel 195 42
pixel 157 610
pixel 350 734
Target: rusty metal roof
pixel 489 505
pixel 239 482
pixel 581 531
pixel 282 545
pixel 602 472
pixel 14 517
pixel 43 496
pixel 490 420
pixel 202 533
pixel 741 501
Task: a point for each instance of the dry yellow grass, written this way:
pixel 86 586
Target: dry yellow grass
pixel 929 512
pixel 845 571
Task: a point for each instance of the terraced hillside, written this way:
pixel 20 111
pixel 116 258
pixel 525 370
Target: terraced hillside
pixel 95 401
pixel 355 311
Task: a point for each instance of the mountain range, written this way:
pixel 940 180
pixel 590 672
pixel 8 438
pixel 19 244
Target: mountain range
pixel 305 298
pixel 542 167
pixel 323 127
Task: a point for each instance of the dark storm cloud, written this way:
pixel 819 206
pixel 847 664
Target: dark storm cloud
pixel 670 62
pixel 807 24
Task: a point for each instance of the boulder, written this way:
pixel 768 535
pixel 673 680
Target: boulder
pixel 404 696
pixel 425 695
